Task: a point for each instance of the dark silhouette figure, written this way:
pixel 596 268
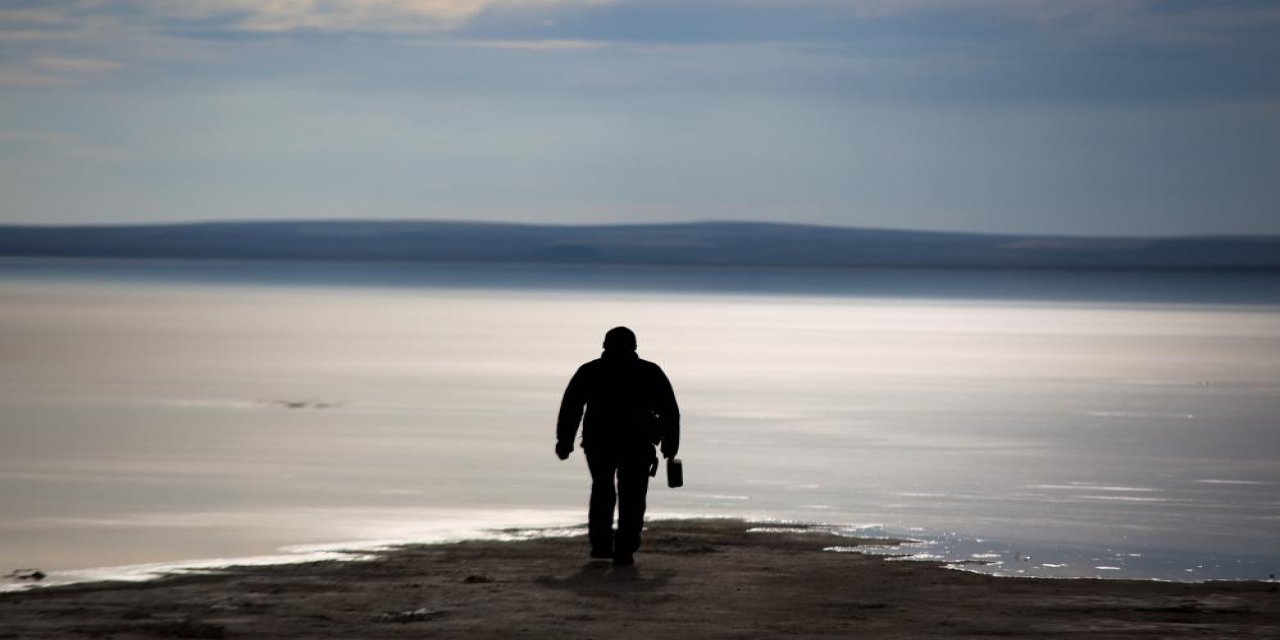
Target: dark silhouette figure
pixel 630 408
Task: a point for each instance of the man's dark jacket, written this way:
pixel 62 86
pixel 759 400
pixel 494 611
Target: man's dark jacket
pixel 628 401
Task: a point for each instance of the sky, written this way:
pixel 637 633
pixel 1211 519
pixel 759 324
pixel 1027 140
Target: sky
pixel 1111 117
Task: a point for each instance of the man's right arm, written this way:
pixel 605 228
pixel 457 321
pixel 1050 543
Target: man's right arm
pixel 570 413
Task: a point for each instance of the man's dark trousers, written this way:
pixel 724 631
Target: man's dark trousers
pixel 630 465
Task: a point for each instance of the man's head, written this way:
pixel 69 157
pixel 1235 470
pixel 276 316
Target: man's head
pixel 620 339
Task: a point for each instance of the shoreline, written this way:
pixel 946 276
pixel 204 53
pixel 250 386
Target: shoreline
pixel 872 540
pixel 289 554
pixel 693 578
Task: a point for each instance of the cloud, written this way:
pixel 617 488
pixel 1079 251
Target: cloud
pixel 43 138
pixel 45 71
pixel 547 45
pixel 31 17
pixel 61 145
pixel 22 76
pixel 670 22
pixel 1146 20
pixel 75 65
pixel 405 16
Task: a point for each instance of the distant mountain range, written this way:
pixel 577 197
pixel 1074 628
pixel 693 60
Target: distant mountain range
pixel 703 243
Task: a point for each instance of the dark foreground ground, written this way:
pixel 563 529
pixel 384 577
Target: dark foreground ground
pixel 694 579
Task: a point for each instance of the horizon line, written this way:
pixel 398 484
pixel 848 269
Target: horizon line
pixel 622 225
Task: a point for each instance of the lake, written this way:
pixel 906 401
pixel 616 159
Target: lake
pixel 1027 423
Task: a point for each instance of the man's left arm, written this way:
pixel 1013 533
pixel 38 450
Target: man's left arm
pixel 668 414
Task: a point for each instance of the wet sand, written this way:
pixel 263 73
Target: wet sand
pixel 693 579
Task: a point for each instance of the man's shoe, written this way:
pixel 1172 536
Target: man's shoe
pixel 624 560
pixel 601 555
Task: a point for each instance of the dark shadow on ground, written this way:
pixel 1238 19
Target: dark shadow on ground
pixel 601 579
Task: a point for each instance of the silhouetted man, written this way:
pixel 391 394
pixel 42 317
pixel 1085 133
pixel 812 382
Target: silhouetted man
pixel 630 408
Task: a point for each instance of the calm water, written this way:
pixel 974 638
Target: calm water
pixel 1122 425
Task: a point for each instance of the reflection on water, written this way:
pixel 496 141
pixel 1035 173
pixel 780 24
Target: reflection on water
pixel 1036 559
pixel 164 421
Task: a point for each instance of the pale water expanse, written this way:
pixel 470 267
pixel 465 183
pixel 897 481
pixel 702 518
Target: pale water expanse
pixel 1049 424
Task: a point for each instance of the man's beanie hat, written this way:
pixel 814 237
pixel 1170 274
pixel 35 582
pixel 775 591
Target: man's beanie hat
pixel 620 339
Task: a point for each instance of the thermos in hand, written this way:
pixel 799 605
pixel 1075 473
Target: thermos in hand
pixel 675 473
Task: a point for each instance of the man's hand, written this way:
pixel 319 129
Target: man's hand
pixel 563 449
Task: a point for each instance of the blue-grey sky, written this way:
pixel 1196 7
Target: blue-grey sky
pixel 1041 116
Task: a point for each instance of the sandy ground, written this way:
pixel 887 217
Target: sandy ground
pixel 693 579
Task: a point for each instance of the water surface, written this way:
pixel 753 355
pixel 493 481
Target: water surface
pixel 162 412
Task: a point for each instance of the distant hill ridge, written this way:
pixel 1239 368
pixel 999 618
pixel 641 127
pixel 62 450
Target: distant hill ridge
pixel 700 243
